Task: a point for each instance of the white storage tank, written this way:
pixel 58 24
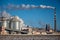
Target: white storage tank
pixel 16 23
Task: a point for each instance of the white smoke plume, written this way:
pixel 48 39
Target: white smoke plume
pixel 5 14
pixel 28 6
pixel 34 6
pixel 23 5
pixel 50 7
pixel 44 6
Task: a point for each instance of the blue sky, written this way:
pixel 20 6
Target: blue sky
pixel 34 16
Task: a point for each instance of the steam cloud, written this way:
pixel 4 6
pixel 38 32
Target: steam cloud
pixel 44 6
pixel 5 14
pixel 28 6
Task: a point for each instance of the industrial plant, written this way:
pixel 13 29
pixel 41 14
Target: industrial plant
pixel 29 19
pixel 15 25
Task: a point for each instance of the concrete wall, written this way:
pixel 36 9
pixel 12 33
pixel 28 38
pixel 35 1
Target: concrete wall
pixel 29 37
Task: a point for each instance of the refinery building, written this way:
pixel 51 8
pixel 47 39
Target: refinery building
pixel 11 24
pixel 15 25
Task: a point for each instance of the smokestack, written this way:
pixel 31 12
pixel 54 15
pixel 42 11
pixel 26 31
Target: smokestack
pixel 55 19
pixel 47 27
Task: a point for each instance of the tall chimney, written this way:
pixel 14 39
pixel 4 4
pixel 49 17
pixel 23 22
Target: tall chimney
pixel 55 19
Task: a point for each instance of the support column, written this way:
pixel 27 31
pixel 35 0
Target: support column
pixel 4 23
pixel 17 25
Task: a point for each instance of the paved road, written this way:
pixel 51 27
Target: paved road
pixel 30 37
